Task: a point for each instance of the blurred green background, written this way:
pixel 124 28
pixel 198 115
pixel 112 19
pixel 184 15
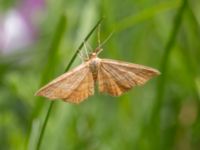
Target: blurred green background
pixel 39 37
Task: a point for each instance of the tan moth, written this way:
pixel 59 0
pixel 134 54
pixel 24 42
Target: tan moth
pixel 112 76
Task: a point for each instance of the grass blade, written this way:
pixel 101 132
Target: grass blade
pixel 146 14
pixel 168 49
pixel 155 117
pixel 67 68
pixel 47 73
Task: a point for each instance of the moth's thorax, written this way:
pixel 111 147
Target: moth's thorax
pixel 94 65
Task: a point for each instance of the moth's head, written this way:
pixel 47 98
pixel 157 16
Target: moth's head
pixel 95 53
pixel 92 55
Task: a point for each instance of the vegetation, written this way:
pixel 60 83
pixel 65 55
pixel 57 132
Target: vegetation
pixel 163 114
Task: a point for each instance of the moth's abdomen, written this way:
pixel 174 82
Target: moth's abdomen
pixel 94 65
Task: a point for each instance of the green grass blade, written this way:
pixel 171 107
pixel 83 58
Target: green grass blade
pixel 155 117
pixel 146 14
pixel 168 49
pixel 51 59
pixel 67 68
pixel 41 134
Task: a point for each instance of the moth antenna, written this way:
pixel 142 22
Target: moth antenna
pixel 99 49
pixel 80 54
pixel 86 51
pixel 88 45
pixel 99 35
pixel 106 40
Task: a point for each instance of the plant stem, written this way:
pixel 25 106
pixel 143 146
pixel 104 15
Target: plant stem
pixel 44 125
pixel 52 57
pixel 151 130
pixel 67 68
pixel 48 70
pixel 155 117
pixel 166 56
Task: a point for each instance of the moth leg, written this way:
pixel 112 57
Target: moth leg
pixel 88 46
pixel 80 54
pixel 86 51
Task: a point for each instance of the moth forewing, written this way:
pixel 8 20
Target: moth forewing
pixel 131 67
pixel 63 86
pixel 83 90
pixel 107 83
pixel 116 77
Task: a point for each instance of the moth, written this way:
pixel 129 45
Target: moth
pixel 112 76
